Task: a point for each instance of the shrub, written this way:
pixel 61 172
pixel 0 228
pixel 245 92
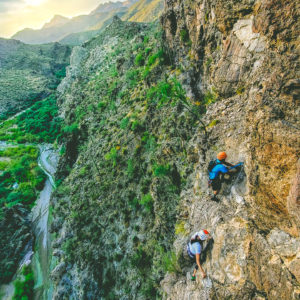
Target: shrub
pixel 147 51
pixel 149 141
pixel 147 202
pixel 210 97
pixel 71 129
pixel 240 90
pixel 112 156
pixel 24 288
pixel 132 77
pixel 134 203
pixel 130 168
pixel 170 262
pixel 158 55
pixel 161 170
pixel 139 60
pixel 124 123
pixel 60 74
pixel 136 126
pixel 102 104
pixel 179 228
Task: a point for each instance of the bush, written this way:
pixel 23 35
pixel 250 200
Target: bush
pixel 70 129
pixel 210 97
pixel 170 262
pixel 130 168
pixel 61 73
pixel 112 156
pixel 159 55
pixel 147 202
pixel 124 123
pixel 139 60
pixel 161 170
pixel 24 288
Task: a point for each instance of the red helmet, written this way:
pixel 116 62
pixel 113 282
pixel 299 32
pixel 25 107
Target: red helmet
pixel 221 155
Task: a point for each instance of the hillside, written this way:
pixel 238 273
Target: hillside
pixel 28 73
pixel 147 108
pixel 141 112
pixel 60 27
pixel 144 11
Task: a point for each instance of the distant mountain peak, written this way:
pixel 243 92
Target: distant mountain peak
pixel 109 6
pixel 57 20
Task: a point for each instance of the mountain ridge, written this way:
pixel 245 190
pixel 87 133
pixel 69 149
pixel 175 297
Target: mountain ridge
pixel 84 26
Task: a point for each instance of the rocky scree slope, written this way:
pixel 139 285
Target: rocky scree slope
pixel 242 56
pixel 29 73
pixel 126 159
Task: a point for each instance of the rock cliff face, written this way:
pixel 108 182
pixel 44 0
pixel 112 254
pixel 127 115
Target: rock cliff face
pixel 243 54
pixel 144 115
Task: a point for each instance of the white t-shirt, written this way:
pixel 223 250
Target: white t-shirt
pixel 195 248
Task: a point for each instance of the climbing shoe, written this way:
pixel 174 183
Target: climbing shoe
pixel 214 198
pixel 193 278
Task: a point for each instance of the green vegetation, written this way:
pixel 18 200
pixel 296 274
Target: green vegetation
pixel 147 202
pixel 211 97
pixel 213 123
pixel 112 156
pixel 139 60
pixel 240 90
pixel 21 177
pixel 161 170
pixel 170 262
pixel 137 130
pixel 39 124
pixel 179 228
pixel 24 288
pixel 184 36
pixel 29 73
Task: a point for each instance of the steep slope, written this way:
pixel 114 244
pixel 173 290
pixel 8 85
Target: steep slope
pixel 144 114
pixel 242 55
pixel 123 166
pixel 145 11
pixel 28 73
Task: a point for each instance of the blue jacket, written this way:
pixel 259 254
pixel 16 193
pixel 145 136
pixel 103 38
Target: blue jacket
pixel 219 168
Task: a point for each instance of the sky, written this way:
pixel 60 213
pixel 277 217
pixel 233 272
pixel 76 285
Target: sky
pixel 16 15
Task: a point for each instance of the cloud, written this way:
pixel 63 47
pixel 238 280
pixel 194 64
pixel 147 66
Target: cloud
pixel 7 6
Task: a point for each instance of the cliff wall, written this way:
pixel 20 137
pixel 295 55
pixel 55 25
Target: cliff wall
pixel 243 55
pixel 145 110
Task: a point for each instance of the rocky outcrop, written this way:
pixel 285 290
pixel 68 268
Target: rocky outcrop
pixel 143 117
pixel 242 55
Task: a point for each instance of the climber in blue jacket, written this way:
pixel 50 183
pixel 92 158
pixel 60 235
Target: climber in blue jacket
pixel 217 169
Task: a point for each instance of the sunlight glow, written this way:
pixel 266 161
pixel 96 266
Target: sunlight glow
pixel 34 2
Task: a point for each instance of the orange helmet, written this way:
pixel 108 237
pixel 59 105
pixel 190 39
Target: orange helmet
pixel 221 156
